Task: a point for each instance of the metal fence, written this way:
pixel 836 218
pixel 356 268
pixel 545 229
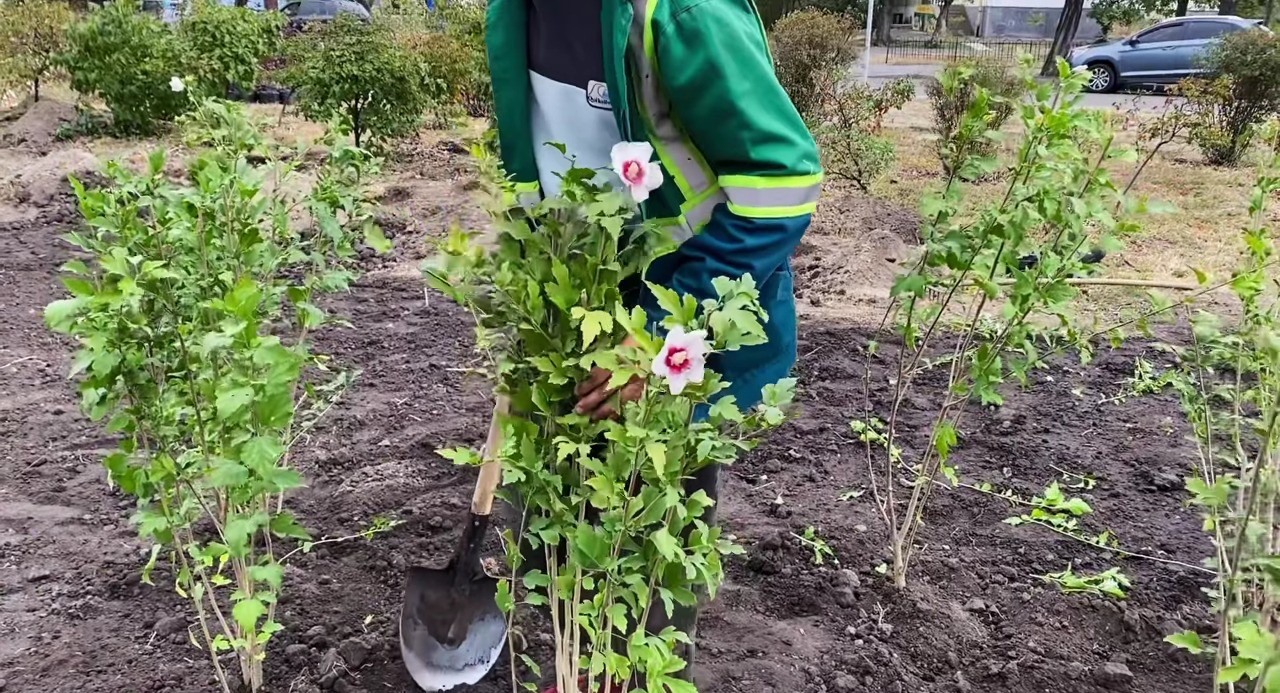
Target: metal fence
pixel 953 49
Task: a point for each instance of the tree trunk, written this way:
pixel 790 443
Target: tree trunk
pixel 1064 36
pixel 35 90
pixel 940 27
pixel 1227 7
pixel 885 26
pixel 1183 7
pixel 1270 13
pixel 271 5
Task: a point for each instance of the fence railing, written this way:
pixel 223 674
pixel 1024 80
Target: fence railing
pixel 952 49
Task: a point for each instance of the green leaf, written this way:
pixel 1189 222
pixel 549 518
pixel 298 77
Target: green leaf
pixel 285 525
pixel 666 544
pixel 271 573
pixel 244 299
pixel 1077 506
pixel 214 341
pixel 283 479
pixel 60 315
pixel 658 455
pixel 1188 640
pixel 79 287
pixel 231 401
pixel 911 284
pixel 262 453
pixel 461 456
pixel 593 324
pixel 374 238
pixel 944 439
pixel 228 474
pixel 246 613
pixel 151 564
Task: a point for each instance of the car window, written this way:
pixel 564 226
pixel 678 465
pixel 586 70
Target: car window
pixel 291 9
pixel 1172 32
pixel 314 8
pixel 1196 31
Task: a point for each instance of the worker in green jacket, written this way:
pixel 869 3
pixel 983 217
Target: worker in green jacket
pixel 741 174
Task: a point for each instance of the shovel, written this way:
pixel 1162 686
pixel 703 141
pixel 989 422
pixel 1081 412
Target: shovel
pixel 451 629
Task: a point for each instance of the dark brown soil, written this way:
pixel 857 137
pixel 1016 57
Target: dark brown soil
pixel 74 616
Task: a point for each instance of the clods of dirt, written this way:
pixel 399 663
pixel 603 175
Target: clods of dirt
pixel 854 248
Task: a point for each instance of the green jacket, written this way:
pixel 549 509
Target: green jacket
pixel 695 79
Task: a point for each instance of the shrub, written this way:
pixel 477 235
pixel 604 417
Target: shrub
pixel 225 46
pixel 447 63
pixel 465 23
pixel 1240 91
pixel 849 132
pixel 354 72
pixel 128 59
pixel 203 373
pixel 33 35
pixel 652 546
pixel 811 51
pixel 956 93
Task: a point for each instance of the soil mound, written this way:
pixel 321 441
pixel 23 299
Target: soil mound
pixel 38 127
pixel 44 181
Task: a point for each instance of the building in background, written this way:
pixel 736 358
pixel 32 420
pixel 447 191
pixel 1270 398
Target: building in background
pixel 993 19
pixel 1023 19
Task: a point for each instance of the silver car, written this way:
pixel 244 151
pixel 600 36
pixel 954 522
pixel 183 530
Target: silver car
pixel 1164 54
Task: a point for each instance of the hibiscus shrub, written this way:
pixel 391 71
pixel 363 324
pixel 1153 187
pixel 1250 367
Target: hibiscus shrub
pixel 550 309
pixel 955 92
pixel 848 130
pixel 224 46
pixel 128 58
pixel 355 74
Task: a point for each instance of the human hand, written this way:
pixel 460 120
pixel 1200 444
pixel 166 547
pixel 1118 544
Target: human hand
pixel 596 398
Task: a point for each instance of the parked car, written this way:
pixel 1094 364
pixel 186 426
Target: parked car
pixel 301 12
pixel 1164 54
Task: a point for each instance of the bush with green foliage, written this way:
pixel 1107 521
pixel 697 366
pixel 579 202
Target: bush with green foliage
pixel 33 35
pixel 355 73
pixel 848 132
pixel 464 23
pixel 128 59
pixel 224 46
pixel 812 51
pixel 451 66
pixel 956 93
pixel 1239 92
pixel 191 307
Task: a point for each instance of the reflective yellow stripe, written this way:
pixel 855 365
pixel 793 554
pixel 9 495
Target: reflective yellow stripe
pixel 760 182
pixel 680 159
pixel 694 215
pixel 697 212
pixel 760 198
pixel 773 212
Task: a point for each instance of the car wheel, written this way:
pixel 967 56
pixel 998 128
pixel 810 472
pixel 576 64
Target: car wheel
pixel 1102 79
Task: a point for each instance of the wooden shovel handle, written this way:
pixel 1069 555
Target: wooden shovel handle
pixel 491 470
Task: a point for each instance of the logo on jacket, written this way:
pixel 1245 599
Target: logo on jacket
pixel 598 95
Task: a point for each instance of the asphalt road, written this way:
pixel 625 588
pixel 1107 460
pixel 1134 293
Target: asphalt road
pixel 881 73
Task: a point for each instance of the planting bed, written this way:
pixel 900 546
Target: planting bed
pixel 75 617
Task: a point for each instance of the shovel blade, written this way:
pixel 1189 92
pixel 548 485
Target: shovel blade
pixel 451 632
